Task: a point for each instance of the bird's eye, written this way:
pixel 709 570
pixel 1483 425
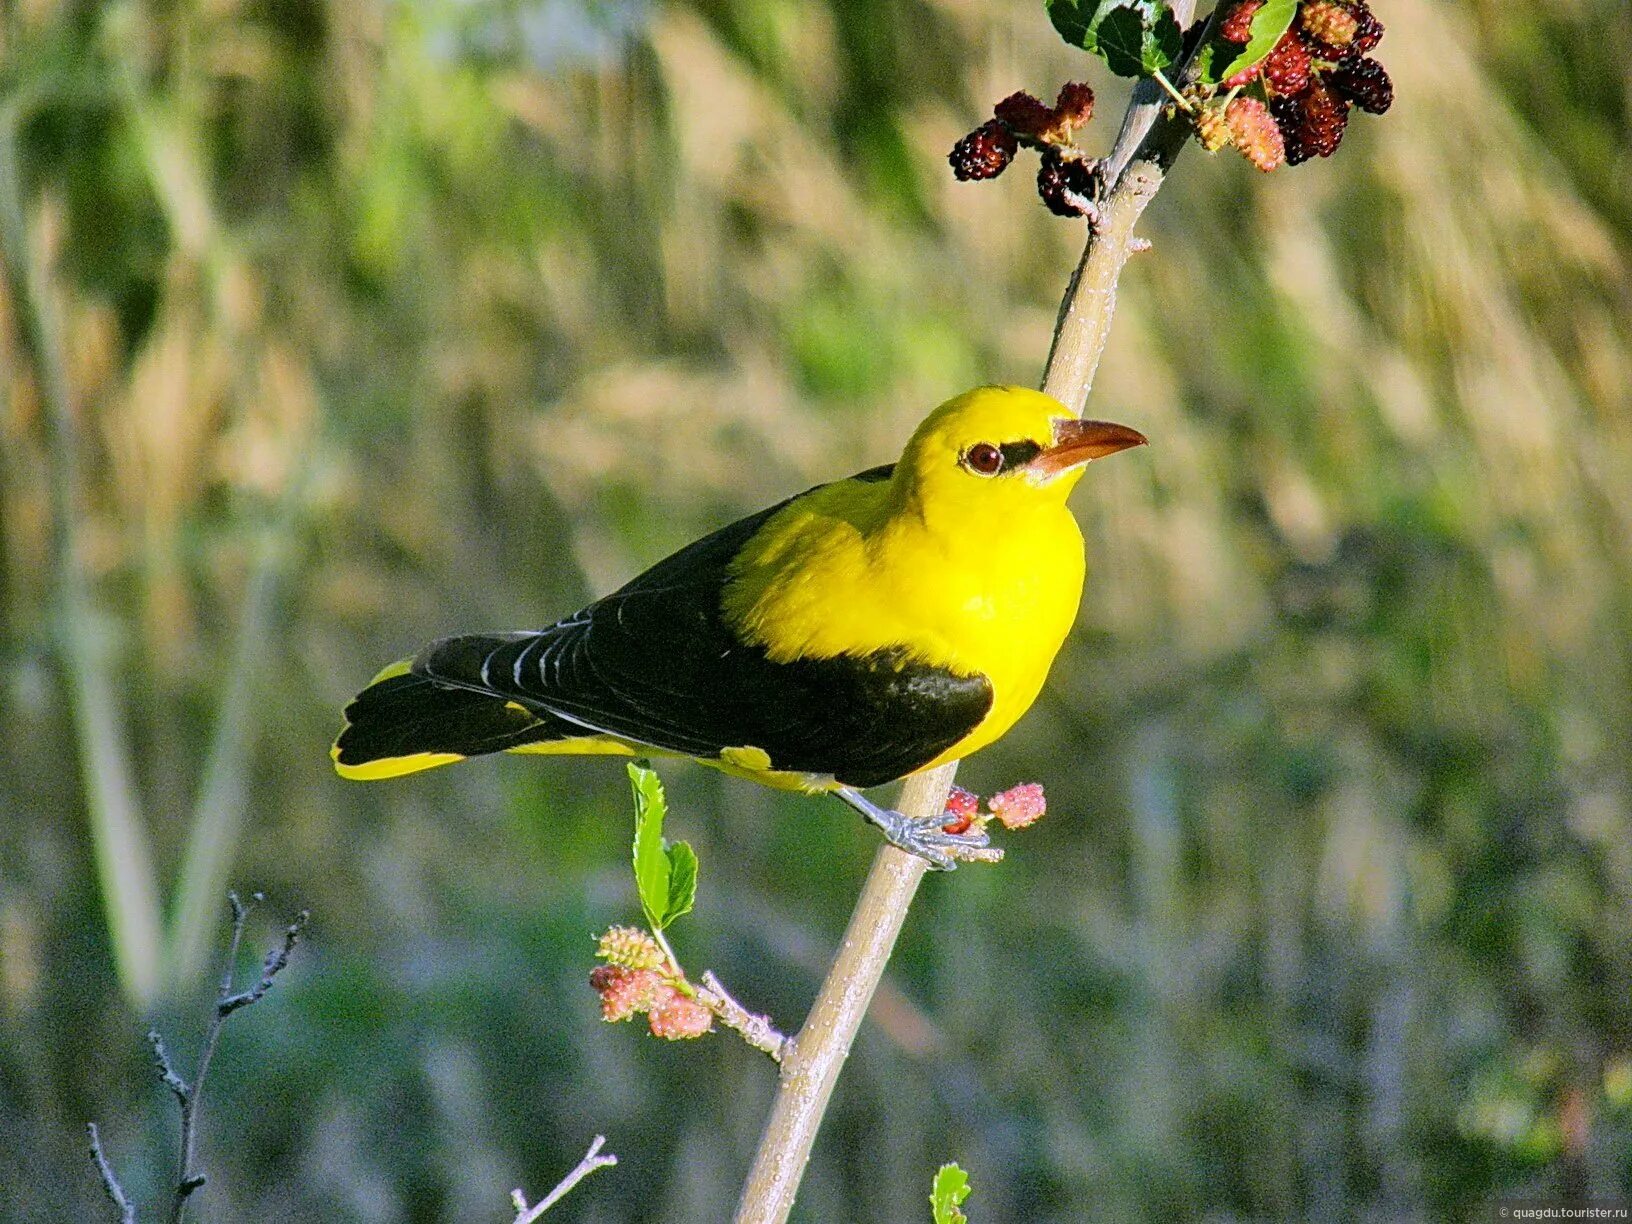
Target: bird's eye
pixel 983 459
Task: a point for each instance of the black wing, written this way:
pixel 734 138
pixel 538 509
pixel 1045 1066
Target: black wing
pixel 655 663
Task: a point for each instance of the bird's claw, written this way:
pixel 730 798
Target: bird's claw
pixel 926 837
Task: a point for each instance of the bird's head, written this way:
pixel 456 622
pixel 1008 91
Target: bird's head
pixel 1004 449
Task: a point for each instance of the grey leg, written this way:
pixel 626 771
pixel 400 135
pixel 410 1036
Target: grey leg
pixel 924 836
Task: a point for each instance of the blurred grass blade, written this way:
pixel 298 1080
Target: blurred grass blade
pixel 218 813
pixel 124 861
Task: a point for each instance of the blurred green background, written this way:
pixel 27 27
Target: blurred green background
pixel 368 320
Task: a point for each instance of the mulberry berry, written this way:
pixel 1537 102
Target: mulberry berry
pixel 984 153
pixel 1286 68
pixel 1237 24
pixel 1023 115
pixel 1323 117
pixel 1020 805
pixel 1256 134
pixel 629 947
pixel 1066 185
pixel 1246 76
pixel 1212 130
pixel 1329 22
pixel 1288 115
pixel 680 1018
pixel 1370 30
pixel 963 806
pixel 627 991
pixel 1075 104
pixel 1365 83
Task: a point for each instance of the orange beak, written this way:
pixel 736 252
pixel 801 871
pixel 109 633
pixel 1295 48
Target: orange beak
pixel 1077 441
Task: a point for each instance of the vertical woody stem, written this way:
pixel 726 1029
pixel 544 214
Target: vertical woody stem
pixel 1145 148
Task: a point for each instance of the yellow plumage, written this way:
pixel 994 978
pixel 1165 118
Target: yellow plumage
pixel 862 631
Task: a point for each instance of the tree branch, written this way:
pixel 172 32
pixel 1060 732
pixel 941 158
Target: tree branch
pixel 110 1179
pixel 592 1160
pixel 1145 147
pixel 191 1097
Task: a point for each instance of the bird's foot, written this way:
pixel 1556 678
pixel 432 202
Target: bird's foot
pixel 926 836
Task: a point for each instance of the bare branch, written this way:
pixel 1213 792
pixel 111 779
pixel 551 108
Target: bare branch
pixel 1145 147
pixel 110 1179
pixel 755 1029
pixel 593 1159
pixel 227 1001
pixel 166 1069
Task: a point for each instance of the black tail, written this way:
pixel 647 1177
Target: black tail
pixel 404 721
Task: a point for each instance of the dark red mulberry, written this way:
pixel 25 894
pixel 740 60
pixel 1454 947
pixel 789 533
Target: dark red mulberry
pixel 1066 186
pixel 1323 117
pixel 1075 104
pixel 984 153
pixel 1237 24
pixel 1369 32
pixel 1286 68
pixel 1288 113
pixel 1024 115
pixel 1365 83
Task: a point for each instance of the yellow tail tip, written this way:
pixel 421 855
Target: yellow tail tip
pixel 390 767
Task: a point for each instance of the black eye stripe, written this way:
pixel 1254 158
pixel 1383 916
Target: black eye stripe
pixel 1017 453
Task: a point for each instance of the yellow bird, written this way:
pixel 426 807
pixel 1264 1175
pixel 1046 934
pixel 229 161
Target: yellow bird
pixel 860 632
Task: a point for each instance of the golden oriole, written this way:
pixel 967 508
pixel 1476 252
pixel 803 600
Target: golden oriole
pixel 862 631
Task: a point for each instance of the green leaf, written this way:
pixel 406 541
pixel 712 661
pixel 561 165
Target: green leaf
pixel 652 867
pixel 1269 23
pixel 1076 20
pixel 682 881
pixel 1135 43
pixel 947 1194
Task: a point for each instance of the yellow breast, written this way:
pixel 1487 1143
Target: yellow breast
pixel 848 570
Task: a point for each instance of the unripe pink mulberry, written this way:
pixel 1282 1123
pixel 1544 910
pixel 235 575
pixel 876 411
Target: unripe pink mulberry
pixel 680 1018
pixel 627 991
pixel 1329 22
pixel 1020 805
pixel 1255 133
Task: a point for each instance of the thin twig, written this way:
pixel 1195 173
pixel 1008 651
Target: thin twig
pixel 227 1000
pixel 110 1179
pixel 592 1160
pixel 1132 174
pixel 757 1030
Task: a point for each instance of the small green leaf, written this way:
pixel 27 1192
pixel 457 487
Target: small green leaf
pixel 1269 23
pixel 652 869
pixel 682 881
pixel 947 1194
pixel 1136 43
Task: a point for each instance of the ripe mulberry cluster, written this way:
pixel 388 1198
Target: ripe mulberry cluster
pixel 1065 180
pixel 1305 86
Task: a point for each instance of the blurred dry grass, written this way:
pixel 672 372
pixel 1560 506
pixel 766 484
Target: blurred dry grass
pixel 453 313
